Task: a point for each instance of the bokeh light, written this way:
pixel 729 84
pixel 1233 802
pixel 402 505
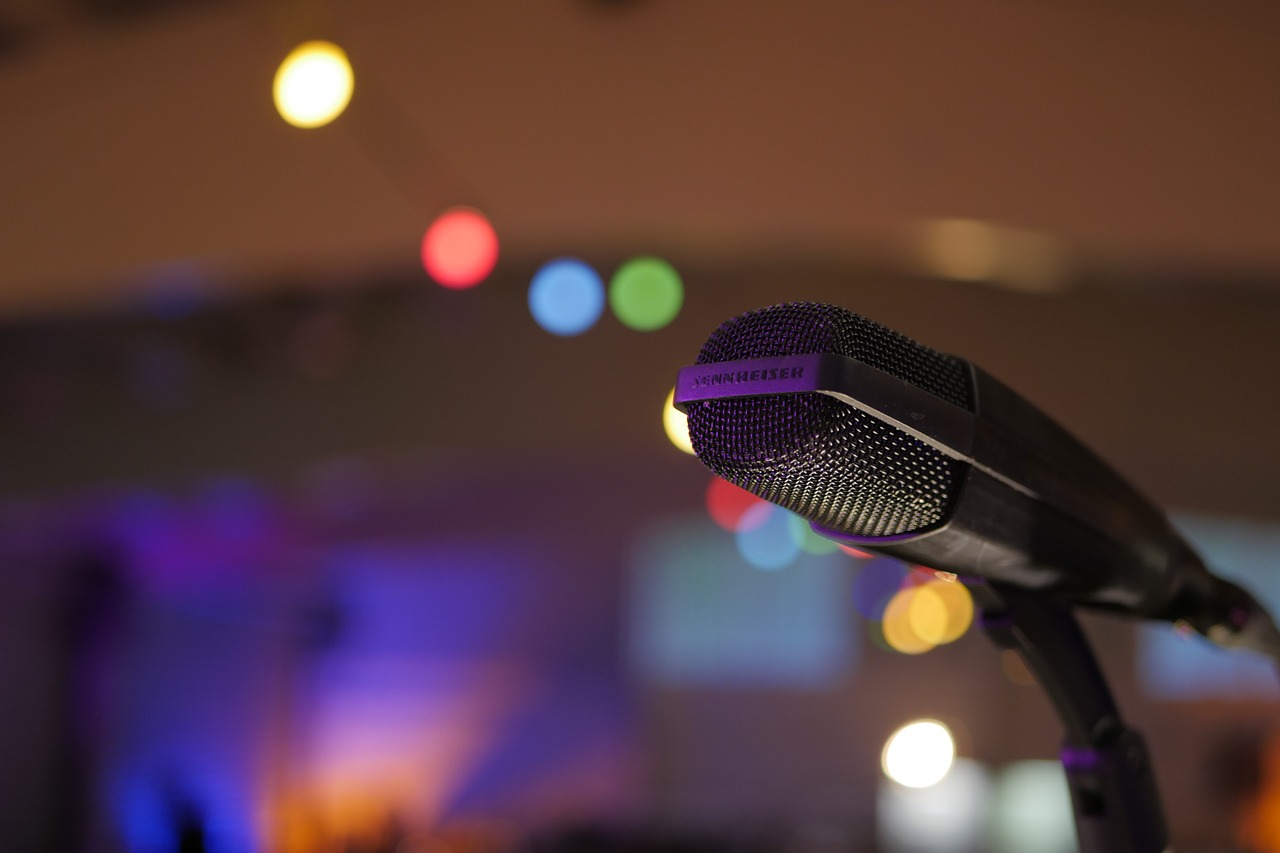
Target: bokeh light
pixel 764 537
pixel 566 297
pixel 925 611
pixel 728 504
pixel 1031 810
pixel 875 631
pixel 807 540
pixel 876 582
pixel 951 816
pixel 941 611
pixel 919 754
pixel 676 424
pixel 646 294
pixel 460 248
pixel 961 249
pixel 926 615
pixel 899 629
pixel 971 250
pixel 313 85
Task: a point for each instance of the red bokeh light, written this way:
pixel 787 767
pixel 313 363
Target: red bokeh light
pixel 460 248
pixel 729 504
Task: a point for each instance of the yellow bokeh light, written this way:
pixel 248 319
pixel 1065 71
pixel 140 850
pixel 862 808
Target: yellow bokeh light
pixel 961 249
pixel 927 614
pixel 971 250
pixel 899 631
pixel 676 424
pixel 940 611
pixel 314 84
pixel 919 754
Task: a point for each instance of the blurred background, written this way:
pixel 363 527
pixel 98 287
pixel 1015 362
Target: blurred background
pixel 340 507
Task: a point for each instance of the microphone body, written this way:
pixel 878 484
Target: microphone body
pixel 886 444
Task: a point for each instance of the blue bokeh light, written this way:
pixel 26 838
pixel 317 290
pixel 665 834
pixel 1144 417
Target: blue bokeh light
pixel 566 297
pixel 764 539
pixel 875 584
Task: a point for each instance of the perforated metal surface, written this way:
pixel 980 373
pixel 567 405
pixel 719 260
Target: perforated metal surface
pixel 814 455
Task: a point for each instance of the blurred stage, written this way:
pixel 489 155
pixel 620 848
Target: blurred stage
pixel 302 551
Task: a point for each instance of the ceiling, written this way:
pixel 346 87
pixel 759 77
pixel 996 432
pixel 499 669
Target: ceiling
pixel 1140 136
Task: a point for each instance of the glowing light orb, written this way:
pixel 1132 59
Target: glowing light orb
pixel 962 249
pixel 969 250
pixel 728 504
pixel 313 85
pixel 646 294
pixel 764 537
pixel 566 297
pixel 940 611
pixel 899 630
pixel 877 581
pixel 919 754
pixel 807 540
pixel 460 248
pixel 676 424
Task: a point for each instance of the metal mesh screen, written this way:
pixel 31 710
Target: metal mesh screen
pixel 814 455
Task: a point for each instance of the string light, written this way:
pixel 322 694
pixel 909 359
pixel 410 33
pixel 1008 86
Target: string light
pixel 941 611
pixel 646 294
pixel 899 629
pixel 460 248
pixel 313 84
pixel 566 297
pixel 764 537
pixel 919 754
pixel 729 504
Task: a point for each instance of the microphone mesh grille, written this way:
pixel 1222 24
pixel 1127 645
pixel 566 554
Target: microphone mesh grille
pixel 819 457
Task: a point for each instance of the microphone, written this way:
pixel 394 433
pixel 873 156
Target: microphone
pixel 883 443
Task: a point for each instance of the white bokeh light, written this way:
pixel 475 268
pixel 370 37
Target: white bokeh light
pixel 919 754
pixel 313 85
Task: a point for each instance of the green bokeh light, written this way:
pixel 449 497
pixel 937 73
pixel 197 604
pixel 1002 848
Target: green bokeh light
pixel 810 542
pixel 646 294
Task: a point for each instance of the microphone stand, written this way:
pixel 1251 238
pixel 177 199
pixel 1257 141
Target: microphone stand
pixel 1113 790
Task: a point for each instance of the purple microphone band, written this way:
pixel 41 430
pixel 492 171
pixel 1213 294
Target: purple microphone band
pixel 749 377
pixel 1076 759
pixel 941 424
